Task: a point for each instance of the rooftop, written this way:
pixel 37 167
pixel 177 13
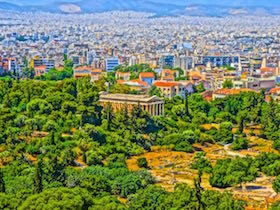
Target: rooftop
pixel 275 90
pixel 82 68
pixel 128 97
pixel 226 91
pixel 165 84
pixel 147 74
pixel 138 81
pixel 40 67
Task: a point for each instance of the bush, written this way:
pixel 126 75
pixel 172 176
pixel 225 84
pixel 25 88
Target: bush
pixel 275 206
pixel 201 163
pixel 276 184
pixel 225 134
pixel 239 144
pixel 116 161
pixel 228 173
pixel 59 198
pixel 93 158
pixel 276 145
pixel 183 147
pixel 142 163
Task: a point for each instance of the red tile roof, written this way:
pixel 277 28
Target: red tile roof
pixel 120 81
pixel 140 82
pixel 275 90
pixel 147 75
pixel 267 69
pixel 40 67
pixel 96 71
pixel 169 71
pixel 165 84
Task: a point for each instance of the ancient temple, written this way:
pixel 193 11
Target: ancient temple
pixel 154 105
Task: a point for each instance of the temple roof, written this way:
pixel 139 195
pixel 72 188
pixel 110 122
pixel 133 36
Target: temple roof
pixel 129 98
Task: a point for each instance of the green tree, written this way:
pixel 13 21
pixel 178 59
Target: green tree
pixel 93 158
pixel 276 184
pixel 225 134
pixel 229 172
pixel 69 157
pixel 2 182
pixel 201 163
pixel 59 198
pixel 200 88
pixel 116 161
pixel 187 103
pixel 142 162
pixel 108 111
pixel 241 121
pixel 216 200
pixel 38 178
pixel 239 143
pixel 55 170
pixel 268 163
pixel 121 88
pixel 275 206
pixel 198 190
pixel 107 202
pixel 227 84
pixel 151 198
pixel 154 91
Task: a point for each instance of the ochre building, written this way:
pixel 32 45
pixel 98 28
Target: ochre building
pixel 154 105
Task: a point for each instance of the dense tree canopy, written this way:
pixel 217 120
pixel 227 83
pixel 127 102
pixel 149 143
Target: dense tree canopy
pixel 59 148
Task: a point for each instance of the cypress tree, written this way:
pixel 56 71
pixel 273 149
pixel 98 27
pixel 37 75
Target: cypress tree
pixel 199 190
pixel 2 183
pixel 38 179
pixel 126 115
pixel 109 116
pixel 187 103
pixel 241 124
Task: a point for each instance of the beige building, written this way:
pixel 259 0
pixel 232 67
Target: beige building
pixel 171 89
pixel 222 93
pixel 123 76
pixel 153 105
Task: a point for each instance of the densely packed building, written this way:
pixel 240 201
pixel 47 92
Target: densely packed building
pixel 209 50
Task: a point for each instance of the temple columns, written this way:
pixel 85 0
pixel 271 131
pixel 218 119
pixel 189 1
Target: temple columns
pixel 156 109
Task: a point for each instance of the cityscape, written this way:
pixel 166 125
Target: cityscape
pixel 140 105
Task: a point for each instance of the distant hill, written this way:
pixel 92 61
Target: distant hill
pixel 219 10
pixel 135 5
pixel 159 8
pixel 87 6
pixel 9 6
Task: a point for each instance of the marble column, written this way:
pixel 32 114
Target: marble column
pixel 157 109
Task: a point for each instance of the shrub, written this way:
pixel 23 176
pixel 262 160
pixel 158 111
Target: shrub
pixel 142 163
pixel 240 143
